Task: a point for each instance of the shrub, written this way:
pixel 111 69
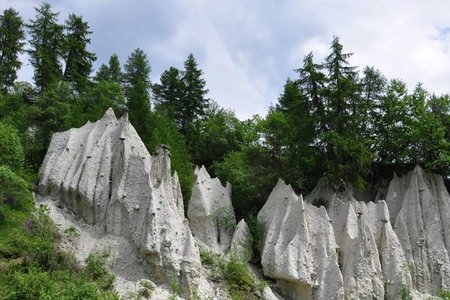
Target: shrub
pixel 14 190
pixel 97 270
pixel 257 231
pixel 11 149
pixel 444 295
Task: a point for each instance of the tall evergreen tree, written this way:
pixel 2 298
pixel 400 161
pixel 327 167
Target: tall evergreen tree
pixel 115 71
pixel 137 85
pixel 169 93
pixel 11 45
pixel 312 81
pixel 111 72
pixel 194 100
pixel 46 41
pixel 78 59
pixel 341 87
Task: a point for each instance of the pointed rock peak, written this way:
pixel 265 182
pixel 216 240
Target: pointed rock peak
pixel 109 115
pixel 282 186
pixel 124 117
pixel 418 170
pixel 202 172
pixel 196 170
pixel 163 149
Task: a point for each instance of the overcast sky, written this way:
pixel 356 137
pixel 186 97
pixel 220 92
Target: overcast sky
pixel 247 48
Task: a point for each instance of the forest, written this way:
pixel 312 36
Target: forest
pixel 346 123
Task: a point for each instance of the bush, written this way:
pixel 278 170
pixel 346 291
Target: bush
pixel 97 270
pixel 239 279
pixel 14 190
pixel 445 295
pixel 11 149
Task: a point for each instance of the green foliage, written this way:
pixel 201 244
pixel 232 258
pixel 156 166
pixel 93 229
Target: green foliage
pixel 14 191
pixel 406 292
pixel 78 60
pixel 137 85
pixel 257 232
pixel 444 295
pixel 240 281
pixel 111 73
pixel 99 98
pixel 194 103
pixel 34 283
pixel 36 269
pixel 175 287
pixel 12 153
pixel 97 270
pixel 165 131
pixel 12 37
pixel 71 232
pixel 169 92
pixel 46 41
pixel 146 289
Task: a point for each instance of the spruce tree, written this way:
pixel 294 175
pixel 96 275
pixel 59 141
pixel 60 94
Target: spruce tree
pixel 137 85
pixel 169 93
pixel 312 82
pixel 78 59
pixel 46 41
pixel 11 45
pixel 111 72
pixel 341 87
pixel 194 102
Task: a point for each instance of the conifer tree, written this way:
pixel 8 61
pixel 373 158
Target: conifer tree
pixel 11 45
pixel 111 72
pixel 137 85
pixel 194 101
pixel 78 59
pixel 169 93
pixel 46 41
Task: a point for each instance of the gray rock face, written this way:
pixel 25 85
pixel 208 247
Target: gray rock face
pixel 299 248
pixel 210 213
pixel 103 173
pixel 420 205
pixel 372 262
pixel 376 260
pixel 241 243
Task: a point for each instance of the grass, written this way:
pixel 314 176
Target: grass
pixel 31 264
pixel 240 281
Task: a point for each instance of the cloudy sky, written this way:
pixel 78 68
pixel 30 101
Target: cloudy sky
pixel 248 48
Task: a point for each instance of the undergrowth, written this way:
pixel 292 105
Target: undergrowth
pixel 32 266
pixel 239 280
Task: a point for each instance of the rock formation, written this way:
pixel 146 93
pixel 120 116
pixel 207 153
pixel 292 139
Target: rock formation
pixel 103 173
pixel 366 239
pixel 376 260
pixel 241 243
pixel 299 248
pixel 420 207
pixel 211 213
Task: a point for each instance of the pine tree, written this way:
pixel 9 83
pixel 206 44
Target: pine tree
pixel 112 72
pixel 169 93
pixel 46 41
pixel 137 85
pixel 194 101
pixel 115 71
pixel 312 82
pixel 11 45
pixel 78 59
pixel 341 87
